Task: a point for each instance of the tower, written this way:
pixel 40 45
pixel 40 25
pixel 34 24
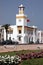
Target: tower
pixel 21 22
pixel 21 18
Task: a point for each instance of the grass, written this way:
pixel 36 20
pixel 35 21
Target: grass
pixel 19 52
pixel 38 61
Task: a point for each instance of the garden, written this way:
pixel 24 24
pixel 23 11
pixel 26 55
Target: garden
pixel 24 57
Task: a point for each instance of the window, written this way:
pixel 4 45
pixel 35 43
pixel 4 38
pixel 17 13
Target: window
pixel 19 20
pixel 19 31
pixel 0 30
pixel 19 38
pixel 9 38
pixel 0 35
pixel 2 39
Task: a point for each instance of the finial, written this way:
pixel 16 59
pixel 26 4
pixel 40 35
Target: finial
pixel 21 6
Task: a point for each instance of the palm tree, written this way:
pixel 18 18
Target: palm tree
pixel 6 26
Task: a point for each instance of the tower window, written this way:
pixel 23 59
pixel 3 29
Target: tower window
pixel 19 20
pixel 19 31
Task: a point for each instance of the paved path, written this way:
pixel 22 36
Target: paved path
pixel 9 48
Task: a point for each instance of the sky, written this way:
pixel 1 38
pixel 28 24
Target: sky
pixel 33 9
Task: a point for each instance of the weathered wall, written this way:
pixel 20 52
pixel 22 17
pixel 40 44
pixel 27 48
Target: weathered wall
pixel 7 48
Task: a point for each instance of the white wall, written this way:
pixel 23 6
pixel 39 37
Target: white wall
pixel 4 34
pixel 21 21
pixel 14 34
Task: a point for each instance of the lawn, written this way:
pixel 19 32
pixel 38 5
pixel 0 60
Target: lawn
pixel 38 61
pixel 18 52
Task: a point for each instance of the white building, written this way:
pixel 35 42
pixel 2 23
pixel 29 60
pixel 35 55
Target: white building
pixel 21 32
pixel 40 36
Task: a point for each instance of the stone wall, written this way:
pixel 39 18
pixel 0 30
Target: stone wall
pixel 8 48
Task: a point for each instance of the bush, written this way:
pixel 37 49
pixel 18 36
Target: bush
pixel 31 55
pixel 10 60
pixel 31 42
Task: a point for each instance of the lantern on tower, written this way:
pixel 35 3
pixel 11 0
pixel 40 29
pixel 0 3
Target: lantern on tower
pixel 21 9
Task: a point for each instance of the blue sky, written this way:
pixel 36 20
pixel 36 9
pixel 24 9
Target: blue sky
pixel 33 9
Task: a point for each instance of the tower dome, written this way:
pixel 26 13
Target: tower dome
pixel 21 9
pixel 21 6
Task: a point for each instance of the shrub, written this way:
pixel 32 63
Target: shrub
pixel 31 55
pixel 10 60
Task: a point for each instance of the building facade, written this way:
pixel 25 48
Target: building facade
pixel 21 32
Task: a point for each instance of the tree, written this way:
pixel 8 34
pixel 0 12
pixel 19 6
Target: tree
pixel 6 26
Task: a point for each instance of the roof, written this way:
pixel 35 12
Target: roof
pixel 21 6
